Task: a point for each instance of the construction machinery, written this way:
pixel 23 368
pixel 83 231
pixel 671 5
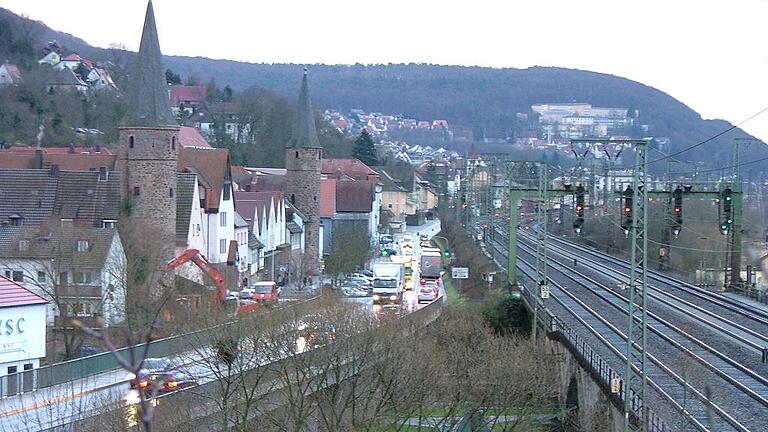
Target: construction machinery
pixel 220 294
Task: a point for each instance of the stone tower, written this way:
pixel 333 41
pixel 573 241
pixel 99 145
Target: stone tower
pixel 149 147
pixel 303 157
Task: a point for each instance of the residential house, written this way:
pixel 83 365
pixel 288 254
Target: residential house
pixel 187 98
pixel 58 235
pixel 214 184
pixel 67 81
pixel 241 258
pixel 50 54
pixel 9 74
pixel 100 79
pixel 265 214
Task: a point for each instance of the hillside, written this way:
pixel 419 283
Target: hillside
pixel 472 97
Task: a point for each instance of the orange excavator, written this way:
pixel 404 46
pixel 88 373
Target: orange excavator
pixel 209 269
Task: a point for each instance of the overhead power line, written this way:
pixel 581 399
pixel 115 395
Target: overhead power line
pixel 718 135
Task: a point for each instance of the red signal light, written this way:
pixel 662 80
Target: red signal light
pixel 627 210
pixel 678 209
pixel 579 207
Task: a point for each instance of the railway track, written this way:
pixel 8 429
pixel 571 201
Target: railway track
pixel 746 386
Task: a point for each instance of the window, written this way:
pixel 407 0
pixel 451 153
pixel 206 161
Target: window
pixel 222 246
pixel 82 309
pixel 18 276
pixel 41 276
pixel 63 278
pixel 108 223
pixel 173 143
pixel 170 193
pixel 389 205
pixel 23 245
pixel 82 245
pixel 66 222
pixel 82 277
pixel 7 274
pixel 130 141
pixel 136 191
pixel 223 219
pixel 16 220
pixel 297 154
pixel 293 199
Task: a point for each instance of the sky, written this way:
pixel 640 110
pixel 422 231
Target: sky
pixel 711 55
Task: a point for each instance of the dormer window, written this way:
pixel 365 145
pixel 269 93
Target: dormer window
pixel 15 219
pixel 82 245
pixel 66 222
pixel 108 223
pixel 23 245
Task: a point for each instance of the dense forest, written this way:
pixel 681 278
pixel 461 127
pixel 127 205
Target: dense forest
pixel 476 98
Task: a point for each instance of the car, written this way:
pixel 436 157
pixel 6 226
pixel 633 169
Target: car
pixel 425 244
pixel 148 367
pixel 361 276
pixel 386 239
pixel 266 292
pixel 231 295
pixel 353 291
pixel 357 285
pixel 423 237
pixel 166 382
pixel 407 238
pixel 247 293
pixel 426 294
pixel 388 251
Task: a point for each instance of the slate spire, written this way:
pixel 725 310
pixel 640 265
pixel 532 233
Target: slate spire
pixel 304 130
pixel 149 104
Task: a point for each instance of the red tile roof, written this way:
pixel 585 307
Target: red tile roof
pixel 13 71
pixel 190 137
pixel 349 167
pixel 327 197
pixel 181 93
pixel 80 161
pixel 212 168
pixel 10 160
pixel 13 294
pixel 59 150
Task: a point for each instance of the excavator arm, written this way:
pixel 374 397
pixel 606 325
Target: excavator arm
pixel 203 264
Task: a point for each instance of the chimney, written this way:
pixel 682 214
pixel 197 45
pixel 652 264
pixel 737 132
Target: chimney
pixel 71 148
pixel 54 170
pixel 38 162
pixel 102 173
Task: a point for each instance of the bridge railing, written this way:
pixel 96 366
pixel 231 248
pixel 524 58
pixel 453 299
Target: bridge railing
pixel 598 367
pixel 203 397
pixel 71 370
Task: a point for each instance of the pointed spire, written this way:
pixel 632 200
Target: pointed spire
pixel 149 92
pixel 304 130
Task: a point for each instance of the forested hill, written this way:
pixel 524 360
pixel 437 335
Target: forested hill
pixel 480 97
pixel 472 97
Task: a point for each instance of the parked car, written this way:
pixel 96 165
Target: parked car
pixel 362 277
pixel 353 291
pixel 357 285
pixel 386 239
pixel 231 296
pixel 247 293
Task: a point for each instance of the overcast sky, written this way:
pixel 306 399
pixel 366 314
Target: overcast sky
pixel 711 55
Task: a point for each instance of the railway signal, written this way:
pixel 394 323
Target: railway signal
pixel 579 221
pixel 726 201
pixel 626 221
pixel 677 208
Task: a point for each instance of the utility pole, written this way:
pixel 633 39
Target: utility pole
pixel 541 245
pixel 734 245
pixel 635 382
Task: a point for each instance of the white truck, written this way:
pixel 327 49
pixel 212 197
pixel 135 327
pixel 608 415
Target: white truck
pixel 388 283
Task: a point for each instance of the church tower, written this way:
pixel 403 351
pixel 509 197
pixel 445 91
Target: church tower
pixel 149 146
pixel 303 156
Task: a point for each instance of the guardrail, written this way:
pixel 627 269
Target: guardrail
pixel 64 372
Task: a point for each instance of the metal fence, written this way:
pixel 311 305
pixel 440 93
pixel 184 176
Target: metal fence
pixel 64 372
pixel 600 369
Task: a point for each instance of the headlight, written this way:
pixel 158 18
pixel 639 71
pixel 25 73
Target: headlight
pixel 376 297
pixel 393 297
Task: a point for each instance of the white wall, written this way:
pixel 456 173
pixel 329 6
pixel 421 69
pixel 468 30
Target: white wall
pixel 216 232
pixel 22 335
pixel 113 283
